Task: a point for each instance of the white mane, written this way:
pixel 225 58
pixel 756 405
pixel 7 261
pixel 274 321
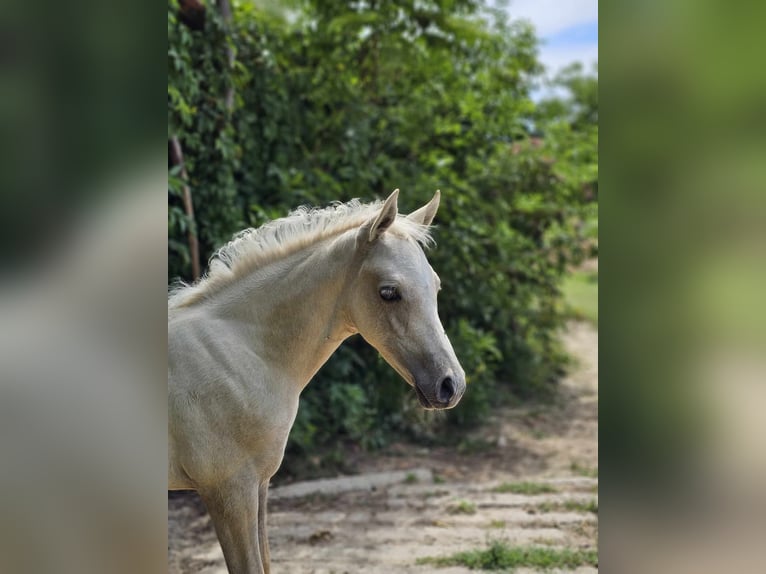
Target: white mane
pixel 253 248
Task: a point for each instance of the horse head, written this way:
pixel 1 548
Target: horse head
pixel 393 305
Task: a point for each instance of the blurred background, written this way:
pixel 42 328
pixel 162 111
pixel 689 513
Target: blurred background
pixel 683 319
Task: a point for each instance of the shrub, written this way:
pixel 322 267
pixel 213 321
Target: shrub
pixel 333 103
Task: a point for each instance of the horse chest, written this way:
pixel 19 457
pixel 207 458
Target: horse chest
pixel 263 429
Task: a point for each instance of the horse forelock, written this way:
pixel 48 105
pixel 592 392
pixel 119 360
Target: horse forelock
pixel 255 247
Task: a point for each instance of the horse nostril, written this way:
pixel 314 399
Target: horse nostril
pixel 446 390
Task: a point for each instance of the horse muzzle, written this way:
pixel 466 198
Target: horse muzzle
pixel 445 394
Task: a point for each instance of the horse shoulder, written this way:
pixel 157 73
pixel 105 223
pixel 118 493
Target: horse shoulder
pixel 226 405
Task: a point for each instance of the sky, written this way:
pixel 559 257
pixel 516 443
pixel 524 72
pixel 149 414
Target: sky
pixel 568 29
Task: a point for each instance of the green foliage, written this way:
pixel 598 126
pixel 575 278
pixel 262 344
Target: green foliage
pixel 334 100
pixel 341 410
pixel 501 556
pixel 580 107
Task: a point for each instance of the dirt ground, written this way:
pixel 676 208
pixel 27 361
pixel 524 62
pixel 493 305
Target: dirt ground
pixel 453 507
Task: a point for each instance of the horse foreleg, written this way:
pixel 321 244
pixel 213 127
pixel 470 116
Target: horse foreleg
pixel 263 537
pixel 234 508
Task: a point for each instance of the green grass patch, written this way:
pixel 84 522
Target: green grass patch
pixel 502 556
pixel 546 507
pixel 583 470
pixel 475 446
pixel 497 524
pixel 580 506
pixel 525 488
pixel 570 505
pixel 411 478
pixel 580 290
pixel 462 507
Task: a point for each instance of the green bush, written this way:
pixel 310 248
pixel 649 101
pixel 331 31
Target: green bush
pixel 339 101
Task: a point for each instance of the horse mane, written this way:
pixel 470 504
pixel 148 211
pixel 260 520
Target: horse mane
pixel 255 247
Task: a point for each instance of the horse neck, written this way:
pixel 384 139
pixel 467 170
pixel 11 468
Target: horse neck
pixel 293 309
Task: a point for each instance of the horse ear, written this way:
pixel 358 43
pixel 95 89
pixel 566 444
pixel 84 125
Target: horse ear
pixel 386 216
pixel 425 215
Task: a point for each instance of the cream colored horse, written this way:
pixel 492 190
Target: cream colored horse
pixel 245 340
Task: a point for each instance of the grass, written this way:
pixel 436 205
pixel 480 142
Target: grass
pixel 545 541
pixel 502 556
pixel 579 506
pixel 497 524
pixel 462 507
pixel 434 493
pixel 543 507
pixel 580 291
pixel 525 488
pixel 475 446
pixel 570 505
pixel 539 434
pixel 411 478
pixel 583 470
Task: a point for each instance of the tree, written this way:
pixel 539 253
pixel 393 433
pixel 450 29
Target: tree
pixel 580 105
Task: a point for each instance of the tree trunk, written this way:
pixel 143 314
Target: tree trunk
pixel 177 158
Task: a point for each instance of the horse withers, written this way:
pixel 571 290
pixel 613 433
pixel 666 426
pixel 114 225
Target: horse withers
pixel 246 339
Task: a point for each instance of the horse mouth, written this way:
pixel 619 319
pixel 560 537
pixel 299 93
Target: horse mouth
pixel 424 402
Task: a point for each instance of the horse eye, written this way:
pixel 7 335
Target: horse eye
pixel 389 293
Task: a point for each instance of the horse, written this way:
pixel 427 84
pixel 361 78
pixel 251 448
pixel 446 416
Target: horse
pixel 246 339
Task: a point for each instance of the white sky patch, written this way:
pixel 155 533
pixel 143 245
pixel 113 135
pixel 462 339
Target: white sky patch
pixel 552 19
pixel 554 58
pixel 551 16
pixel 559 56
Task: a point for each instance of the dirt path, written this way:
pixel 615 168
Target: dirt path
pixel 451 506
